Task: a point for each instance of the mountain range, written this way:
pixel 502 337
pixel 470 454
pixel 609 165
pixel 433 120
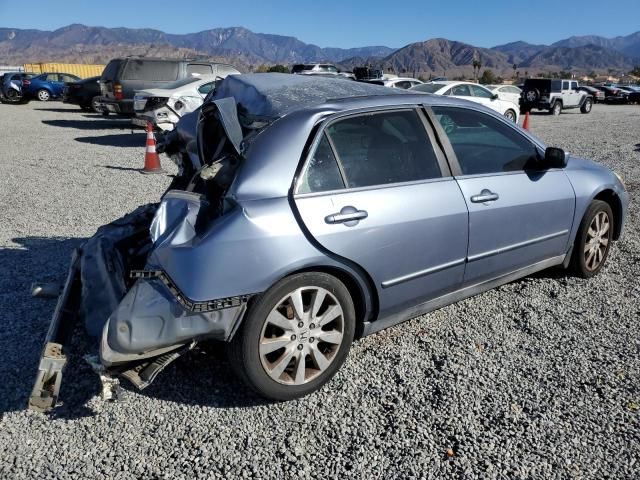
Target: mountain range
pixel 247 49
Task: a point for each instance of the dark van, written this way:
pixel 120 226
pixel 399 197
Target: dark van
pixel 123 76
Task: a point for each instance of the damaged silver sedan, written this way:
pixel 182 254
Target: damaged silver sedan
pixel 311 211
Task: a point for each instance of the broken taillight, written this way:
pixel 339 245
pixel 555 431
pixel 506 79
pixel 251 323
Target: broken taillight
pixel 26 83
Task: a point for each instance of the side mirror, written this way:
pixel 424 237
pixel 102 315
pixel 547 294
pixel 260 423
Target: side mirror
pixel 554 158
pixel 494 96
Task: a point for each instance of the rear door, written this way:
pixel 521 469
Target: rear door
pixel 376 191
pixel 518 215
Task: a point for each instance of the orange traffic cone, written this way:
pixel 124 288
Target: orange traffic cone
pixel 151 157
pixel 525 124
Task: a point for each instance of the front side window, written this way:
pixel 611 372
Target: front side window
pixel 574 85
pixel 484 144
pixel 52 77
pixel 461 91
pixel 322 173
pixel 383 148
pixel 480 92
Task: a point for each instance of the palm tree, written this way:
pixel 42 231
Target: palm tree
pixel 515 67
pixel 477 65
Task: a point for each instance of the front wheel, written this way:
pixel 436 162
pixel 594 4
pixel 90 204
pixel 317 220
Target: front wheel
pixel 586 106
pixel 593 240
pixel 510 115
pixel 43 95
pixel 295 337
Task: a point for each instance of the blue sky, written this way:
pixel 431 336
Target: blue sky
pixel 343 23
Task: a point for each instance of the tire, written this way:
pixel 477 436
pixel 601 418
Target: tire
pixel 13 96
pixel 556 109
pixel 532 95
pixel 43 95
pixel 583 263
pixel 266 356
pixel 94 105
pixel 510 115
pixel 586 106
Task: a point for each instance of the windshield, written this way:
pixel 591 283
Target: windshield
pixel 428 87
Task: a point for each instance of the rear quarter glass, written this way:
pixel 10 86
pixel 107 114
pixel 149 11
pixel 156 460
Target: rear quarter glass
pixel 111 70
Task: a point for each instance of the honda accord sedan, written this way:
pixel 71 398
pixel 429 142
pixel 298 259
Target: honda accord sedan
pixel 316 211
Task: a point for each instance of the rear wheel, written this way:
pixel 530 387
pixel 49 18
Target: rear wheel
pixel 556 109
pixel 43 95
pixel 510 115
pixel 295 337
pixel 586 106
pixel 593 240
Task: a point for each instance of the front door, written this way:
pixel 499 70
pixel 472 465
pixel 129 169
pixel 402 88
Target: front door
pixel 376 192
pixel 518 216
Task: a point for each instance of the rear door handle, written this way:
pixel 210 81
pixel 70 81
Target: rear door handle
pixel 485 196
pixel 349 215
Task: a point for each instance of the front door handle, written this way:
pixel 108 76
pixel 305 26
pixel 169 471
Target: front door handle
pixel 350 216
pixel 485 196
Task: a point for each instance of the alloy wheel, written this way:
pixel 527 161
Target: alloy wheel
pixel 510 115
pixel 301 336
pixel 43 95
pixel 597 241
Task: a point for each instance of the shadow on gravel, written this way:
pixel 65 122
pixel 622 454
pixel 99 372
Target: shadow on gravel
pixel 637 148
pixel 25 321
pixel 96 124
pixel 130 140
pixel 58 110
pixel 203 378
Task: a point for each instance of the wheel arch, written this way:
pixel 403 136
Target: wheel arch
pixel 611 198
pixel 364 296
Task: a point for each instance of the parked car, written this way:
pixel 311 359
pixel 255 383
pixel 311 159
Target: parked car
pixel 163 107
pixel 11 86
pixel 297 233
pixel 598 95
pixel 554 96
pixel 122 77
pixel 84 93
pixel 313 68
pixel 473 92
pixel 46 86
pixel 404 83
pixel 633 94
pixel 510 93
pixel 613 95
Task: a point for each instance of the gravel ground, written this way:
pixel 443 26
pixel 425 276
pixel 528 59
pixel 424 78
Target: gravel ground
pixel 537 379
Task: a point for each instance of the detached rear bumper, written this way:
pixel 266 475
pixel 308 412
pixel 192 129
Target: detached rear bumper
pixel 46 389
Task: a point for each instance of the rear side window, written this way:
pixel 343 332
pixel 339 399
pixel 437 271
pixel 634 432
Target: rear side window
pixel 322 173
pixel 383 148
pixel 158 71
pixel 484 144
pixel 199 69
